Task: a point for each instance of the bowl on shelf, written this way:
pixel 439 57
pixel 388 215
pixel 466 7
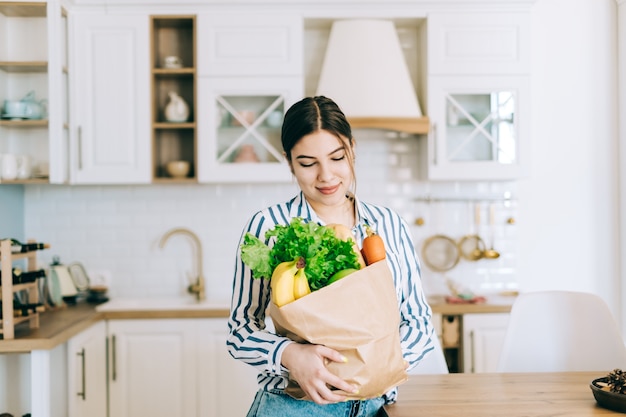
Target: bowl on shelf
pixel 178 169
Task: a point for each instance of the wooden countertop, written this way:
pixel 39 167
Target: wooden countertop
pixel 511 395
pixel 55 327
pixel 58 326
pixel 494 304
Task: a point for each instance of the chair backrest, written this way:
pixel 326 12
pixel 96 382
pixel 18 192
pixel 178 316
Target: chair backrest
pixel 433 363
pixel 552 331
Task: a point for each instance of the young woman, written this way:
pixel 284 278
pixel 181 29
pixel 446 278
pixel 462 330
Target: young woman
pixel 318 144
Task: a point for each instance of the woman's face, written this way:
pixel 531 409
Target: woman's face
pixel 320 163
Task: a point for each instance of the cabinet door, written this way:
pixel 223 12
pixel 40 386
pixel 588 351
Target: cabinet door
pixel 110 97
pixel 87 378
pixel 152 368
pixel 478 43
pixel 235 44
pixel 483 335
pixel 227 386
pixel 480 128
pixel 239 128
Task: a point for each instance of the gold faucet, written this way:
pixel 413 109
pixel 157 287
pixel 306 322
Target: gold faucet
pixel 197 287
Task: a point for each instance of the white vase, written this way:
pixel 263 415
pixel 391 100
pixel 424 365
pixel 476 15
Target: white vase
pixel 176 110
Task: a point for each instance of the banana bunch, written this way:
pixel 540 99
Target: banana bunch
pixel 289 282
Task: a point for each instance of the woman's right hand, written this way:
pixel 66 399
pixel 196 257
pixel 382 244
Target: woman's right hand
pixel 306 364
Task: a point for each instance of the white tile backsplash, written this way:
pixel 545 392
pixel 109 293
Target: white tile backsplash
pixel 116 229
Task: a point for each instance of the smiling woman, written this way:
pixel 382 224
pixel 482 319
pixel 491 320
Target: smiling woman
pixel 319 147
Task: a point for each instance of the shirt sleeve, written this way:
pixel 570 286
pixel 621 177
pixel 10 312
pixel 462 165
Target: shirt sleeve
pixel 249 339
pixel 416 328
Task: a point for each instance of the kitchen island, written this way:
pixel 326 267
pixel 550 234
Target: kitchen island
pixel 511 395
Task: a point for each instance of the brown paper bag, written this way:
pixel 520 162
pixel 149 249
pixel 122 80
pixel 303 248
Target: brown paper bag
pixel 357 316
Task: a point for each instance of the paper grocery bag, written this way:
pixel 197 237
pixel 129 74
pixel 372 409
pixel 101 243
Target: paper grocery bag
pixel 357 316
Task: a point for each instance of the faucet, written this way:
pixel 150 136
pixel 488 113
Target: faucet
pixel 197 287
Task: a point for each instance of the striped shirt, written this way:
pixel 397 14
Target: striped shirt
pixel 250 342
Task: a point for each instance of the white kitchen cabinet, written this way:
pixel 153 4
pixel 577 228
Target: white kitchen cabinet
pixel 87 373
pixel 153 367
pixel 227 386
pixel 110 99
pixel 478 96
pixel 483 336
pixel 30 68
pixel 176 367
pixel 480 128
pixel 236 44
pixel 239 117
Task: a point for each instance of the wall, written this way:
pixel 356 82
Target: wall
pixel 12 211
pixel 117 228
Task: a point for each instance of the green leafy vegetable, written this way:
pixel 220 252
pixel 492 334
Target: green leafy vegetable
pixel 323 252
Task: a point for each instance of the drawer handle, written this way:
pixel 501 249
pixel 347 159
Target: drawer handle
pixel 83 393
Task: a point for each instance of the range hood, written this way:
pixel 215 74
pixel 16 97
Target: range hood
pixel 365 73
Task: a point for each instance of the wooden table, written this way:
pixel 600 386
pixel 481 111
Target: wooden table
pixel 502 395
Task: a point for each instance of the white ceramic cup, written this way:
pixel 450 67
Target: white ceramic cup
pixel 24 167
pixel 9 167
pixel 172 62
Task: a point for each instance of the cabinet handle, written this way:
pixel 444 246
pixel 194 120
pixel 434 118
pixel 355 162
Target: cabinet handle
pixel 433 140
pixel 113 359
pixel 472 357
pixel 83 393
pixel 80 148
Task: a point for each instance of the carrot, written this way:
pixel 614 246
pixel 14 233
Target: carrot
pixel 373 247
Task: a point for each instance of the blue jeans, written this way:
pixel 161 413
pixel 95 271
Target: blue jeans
pixel 278 404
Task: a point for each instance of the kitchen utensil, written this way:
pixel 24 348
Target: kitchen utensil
pixel 471 246
pixel 440 253
pixel 79 276
pixel 24 167
pixel 178 169
pixel 8 166
pixel 605 398
pixel 34 109
pixel 491 253
pixel 172 62
pixel 177 110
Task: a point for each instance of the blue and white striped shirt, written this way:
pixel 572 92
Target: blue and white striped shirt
pixel 248 340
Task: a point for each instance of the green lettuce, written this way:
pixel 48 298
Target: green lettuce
pixel 323 253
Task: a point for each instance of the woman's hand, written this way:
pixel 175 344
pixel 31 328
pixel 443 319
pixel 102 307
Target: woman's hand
pixel 306 364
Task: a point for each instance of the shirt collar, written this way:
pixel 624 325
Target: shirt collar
pixel 302 208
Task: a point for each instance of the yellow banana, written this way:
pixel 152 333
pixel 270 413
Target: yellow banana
pixel 301 285
pixel 282 283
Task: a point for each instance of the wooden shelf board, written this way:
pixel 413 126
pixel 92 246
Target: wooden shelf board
pixel 167 180
pixel 418 125
pixel 24 66
pixel 174 125
pixel 23 9
pixel 173 71
pixel 24 123
pixel 43 180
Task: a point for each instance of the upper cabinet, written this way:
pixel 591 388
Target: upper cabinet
pixel 251 72
pixel 110 99
pixel 253 45
pixel 174 107
pixel 30 71
pixel 478 96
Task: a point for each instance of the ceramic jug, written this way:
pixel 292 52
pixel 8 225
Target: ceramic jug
pixel 9 166
pixel 176 110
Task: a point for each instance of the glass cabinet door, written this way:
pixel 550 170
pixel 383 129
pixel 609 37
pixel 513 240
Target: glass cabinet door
pixel 479 131
pixel 239 130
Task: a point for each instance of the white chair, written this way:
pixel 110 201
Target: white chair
pixel 433 363
pixel 561 331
